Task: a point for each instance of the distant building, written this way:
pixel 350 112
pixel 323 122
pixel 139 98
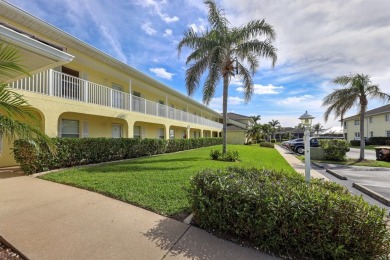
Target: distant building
pixel 376 124
pixel 237 125
pixel 285 132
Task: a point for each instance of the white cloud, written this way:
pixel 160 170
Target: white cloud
pixel 162 73
pixel 259 89
pixel 216 103
pixel 168 33
pixel 292 101
pixel 200 26
pixel 147 28
pixel 157 8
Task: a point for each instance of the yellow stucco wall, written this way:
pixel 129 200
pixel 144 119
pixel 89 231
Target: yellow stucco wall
pixel 236 137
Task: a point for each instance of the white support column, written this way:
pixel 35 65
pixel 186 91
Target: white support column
pixel 130 96
pixel 166 106
pixel 110 97
pixel 51 82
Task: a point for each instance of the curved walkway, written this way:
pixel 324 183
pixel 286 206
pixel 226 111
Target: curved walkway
pixel 46 220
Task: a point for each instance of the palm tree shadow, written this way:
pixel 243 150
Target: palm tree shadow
pixel 195 243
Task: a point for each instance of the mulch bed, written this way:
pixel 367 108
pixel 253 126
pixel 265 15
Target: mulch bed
pixel 7 254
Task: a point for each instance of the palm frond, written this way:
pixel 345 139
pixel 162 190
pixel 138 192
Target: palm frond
pixel 10 62
pixel 246 76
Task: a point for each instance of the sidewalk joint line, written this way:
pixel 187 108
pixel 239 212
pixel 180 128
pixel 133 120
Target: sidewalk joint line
pixel 176 242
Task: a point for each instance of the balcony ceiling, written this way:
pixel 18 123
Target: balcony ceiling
pixel 35 56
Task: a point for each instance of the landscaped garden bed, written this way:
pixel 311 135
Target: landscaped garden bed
pixel 158 183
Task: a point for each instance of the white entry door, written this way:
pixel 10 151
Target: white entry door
pixel 116 131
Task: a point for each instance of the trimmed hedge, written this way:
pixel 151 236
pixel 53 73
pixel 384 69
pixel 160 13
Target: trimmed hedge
pixel 36 157
pixel 379 140
pixel 277 212
pixel 335 149
pixel 267 144
pixel 355 142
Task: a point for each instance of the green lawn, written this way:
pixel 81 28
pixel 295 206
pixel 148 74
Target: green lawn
pixel 157 183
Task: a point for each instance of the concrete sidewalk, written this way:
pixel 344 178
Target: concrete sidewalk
pixel 45 220
pixel 297 164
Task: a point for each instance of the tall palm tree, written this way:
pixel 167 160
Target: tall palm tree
pixel 357 91
pixel 17 119
pixel 318 128
pixel 254 132
pixel 256 118
pixel 223 52
pixel 273 123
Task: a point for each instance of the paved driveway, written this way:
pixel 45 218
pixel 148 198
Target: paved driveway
pixel 374 178
pixel 354 153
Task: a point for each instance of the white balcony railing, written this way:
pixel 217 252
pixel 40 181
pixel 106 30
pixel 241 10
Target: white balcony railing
pixel 61 85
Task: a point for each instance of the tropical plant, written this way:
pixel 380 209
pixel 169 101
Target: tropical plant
pixel 356 92
pixel 256 118
pixel 253 133
pixel 274 124
pixel 223 52
pixel 266 130
pixel 317 128
pixel 17 119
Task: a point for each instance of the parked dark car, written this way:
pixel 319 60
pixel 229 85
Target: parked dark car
pixel 298 147
pixel 288 143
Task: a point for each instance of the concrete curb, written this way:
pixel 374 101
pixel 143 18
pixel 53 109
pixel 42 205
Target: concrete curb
pixel 337 175
pixel 5 242
pixel 317 164
pixel 372 194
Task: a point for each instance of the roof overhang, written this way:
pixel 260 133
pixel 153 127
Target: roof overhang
pixel 35 56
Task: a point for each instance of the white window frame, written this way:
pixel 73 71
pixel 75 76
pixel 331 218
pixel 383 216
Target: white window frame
pixel 171 133
pixel 387 117
pixel 139 136
pixel 371 133
pixel 161 133
pixel 62 130
pixel 387 133
pixel 357 122
pixel 345 124
pixel 357 135
pixel 370 120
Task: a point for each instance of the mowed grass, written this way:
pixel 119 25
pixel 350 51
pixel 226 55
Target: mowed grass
pixel 158 183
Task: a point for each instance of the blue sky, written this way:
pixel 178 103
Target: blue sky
pixel 316 41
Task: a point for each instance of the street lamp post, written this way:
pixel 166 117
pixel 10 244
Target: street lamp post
pixel 306 120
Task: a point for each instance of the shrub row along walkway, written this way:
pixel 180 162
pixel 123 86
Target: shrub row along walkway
pixel 45 220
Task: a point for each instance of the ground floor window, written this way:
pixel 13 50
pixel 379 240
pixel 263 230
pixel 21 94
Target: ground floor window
pixel 161 134
pixel 70 128
pixel 1 143
pixel 171 134
pixel 137 132
pixel 388 133
pixel 357 134
pixel 371 134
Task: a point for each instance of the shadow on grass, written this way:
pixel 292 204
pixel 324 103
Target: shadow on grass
pixel 125 169
pixel 197 243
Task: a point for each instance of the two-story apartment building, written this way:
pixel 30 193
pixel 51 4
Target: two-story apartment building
pixel 236 127
pixel 83 92
pixel 376 124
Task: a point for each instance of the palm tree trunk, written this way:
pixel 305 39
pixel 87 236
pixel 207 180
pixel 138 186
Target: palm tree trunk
pixel 224 112
pixel 362 140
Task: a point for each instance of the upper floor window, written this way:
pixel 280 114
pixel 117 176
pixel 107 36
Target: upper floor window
pixel 357 122
pixel 387 117
pixel 388 133
pixel 370 120
pixel 70 128
pixel 345 124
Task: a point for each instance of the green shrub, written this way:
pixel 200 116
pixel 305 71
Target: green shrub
pixel 355 142
pixel 335 149
pixel 277 212
pixel 267 144
pixel 229 156
pixel 36 157
pixel 273 141
pixel 379 140
pixel 215 154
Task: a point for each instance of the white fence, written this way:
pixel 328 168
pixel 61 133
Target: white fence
pixel 58 84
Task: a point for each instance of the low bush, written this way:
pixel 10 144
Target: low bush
pixel 229 156
pixel 266 144
pixel 355 142
pixel 36 157
pixel 379 140
pixel 277 212
pixel 335 149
